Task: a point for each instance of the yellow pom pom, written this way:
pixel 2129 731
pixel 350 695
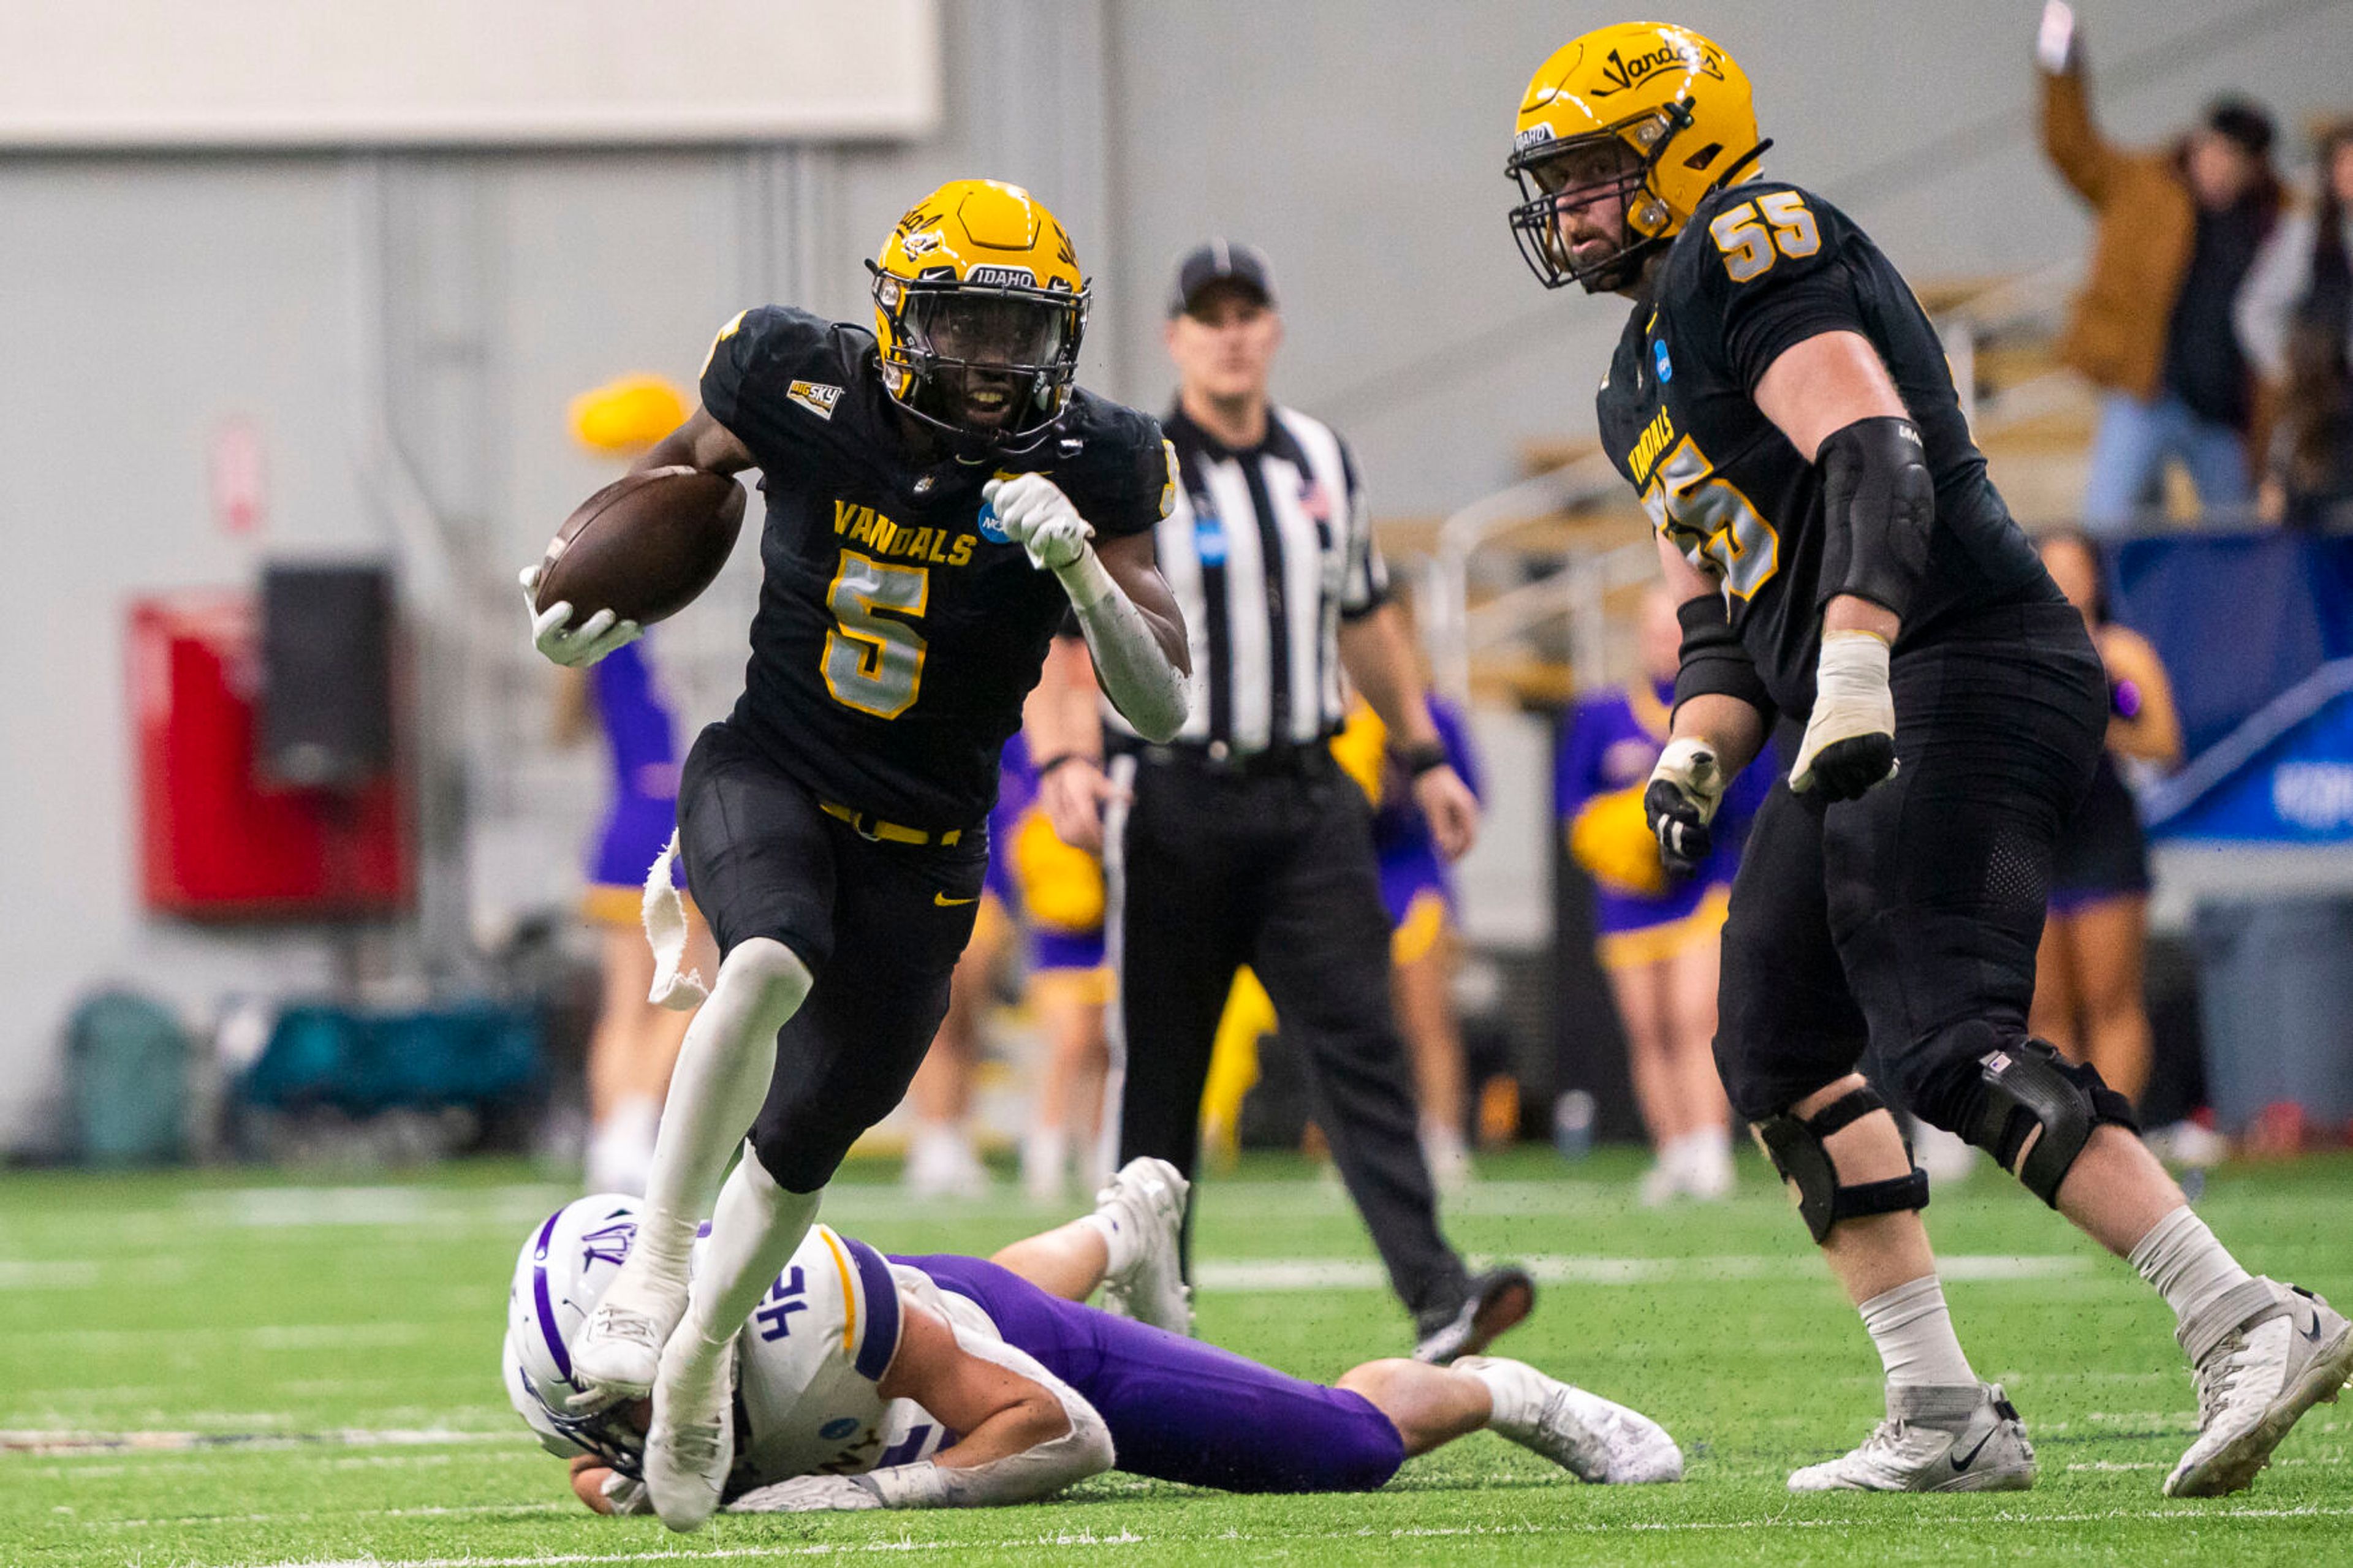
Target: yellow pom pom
pixel 626 416
pixel 1061 888
pixel 1611 838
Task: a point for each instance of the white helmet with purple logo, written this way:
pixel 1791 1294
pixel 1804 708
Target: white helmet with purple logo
pixel 567 1262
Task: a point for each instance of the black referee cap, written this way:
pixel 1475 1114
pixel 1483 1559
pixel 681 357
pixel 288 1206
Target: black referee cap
pixel 1220 261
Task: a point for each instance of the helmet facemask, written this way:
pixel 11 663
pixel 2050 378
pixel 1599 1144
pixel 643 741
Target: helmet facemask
pixel 613 1433
pixel 990 365
pixel 1542 170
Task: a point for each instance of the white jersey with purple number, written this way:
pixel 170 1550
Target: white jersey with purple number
pixel 808 1362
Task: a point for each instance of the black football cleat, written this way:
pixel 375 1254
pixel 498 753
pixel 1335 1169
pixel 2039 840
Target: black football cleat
pixel 1494 1302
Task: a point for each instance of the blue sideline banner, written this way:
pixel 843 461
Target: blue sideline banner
pixel 2256 632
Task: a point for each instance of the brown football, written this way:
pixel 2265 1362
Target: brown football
pixel 643 546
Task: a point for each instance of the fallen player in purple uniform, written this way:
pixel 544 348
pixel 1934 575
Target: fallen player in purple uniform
pixel 956 1382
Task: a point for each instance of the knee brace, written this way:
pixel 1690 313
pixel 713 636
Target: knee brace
pixel 1795 1145
pixel 2033 1110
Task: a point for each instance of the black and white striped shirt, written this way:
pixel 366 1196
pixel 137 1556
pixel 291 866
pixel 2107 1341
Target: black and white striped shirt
pixel 1267 551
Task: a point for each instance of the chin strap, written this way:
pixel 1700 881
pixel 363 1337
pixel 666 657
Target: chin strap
pixel 1731 171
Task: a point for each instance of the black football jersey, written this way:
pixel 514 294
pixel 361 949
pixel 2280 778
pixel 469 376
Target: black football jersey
pixel 1760 268
pixel 898 630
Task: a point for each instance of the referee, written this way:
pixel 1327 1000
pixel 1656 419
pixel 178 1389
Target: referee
pixel 1242 842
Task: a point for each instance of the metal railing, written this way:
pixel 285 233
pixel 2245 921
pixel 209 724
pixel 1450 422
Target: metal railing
pixel 1576 589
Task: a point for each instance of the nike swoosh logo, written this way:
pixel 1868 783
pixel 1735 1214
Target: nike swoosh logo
pixel 947 903
pixel 2312 1333
pixel 1963 1461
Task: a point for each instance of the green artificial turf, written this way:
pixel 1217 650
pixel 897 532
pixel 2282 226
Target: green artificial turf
pixel 328 1350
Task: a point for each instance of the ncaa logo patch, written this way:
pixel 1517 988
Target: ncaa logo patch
pixel 990 529
pixel 838 1427
pixel 1666 367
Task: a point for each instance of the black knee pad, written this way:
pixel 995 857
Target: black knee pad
pixel 2033 1110
pixel 1794 1144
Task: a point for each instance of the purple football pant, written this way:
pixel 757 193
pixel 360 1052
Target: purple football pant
pixel 1180 1410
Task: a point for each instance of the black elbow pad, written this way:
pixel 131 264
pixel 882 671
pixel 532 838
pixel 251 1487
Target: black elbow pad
pixel 1879 505
pixel 1713 659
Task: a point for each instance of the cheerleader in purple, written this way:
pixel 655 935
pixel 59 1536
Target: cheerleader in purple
pixel 1657 935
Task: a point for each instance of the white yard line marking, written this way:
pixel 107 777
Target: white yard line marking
pixel 181 1521
pixel 2193 1516
pixel 63 1274
pixel 68 1444
pixel 262 1336
pixel 1277 1275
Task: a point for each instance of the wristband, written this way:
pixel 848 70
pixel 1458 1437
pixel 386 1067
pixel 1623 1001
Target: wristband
pixel 1425 758
pixel 1062 759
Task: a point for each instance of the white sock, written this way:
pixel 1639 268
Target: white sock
pixel 754 1233
pixel 2182 1259
pixel 1513 1402
pixel 722 1078
pixel 1915 1335
pixel 1121 1241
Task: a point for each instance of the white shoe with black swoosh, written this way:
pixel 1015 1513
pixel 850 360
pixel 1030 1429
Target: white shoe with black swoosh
pixel 2263 1355
pixel 1936 1438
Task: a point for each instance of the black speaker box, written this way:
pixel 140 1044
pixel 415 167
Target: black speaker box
pixel 325 703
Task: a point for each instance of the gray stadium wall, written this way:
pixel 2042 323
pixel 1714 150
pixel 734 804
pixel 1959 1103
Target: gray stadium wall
pixel 403 329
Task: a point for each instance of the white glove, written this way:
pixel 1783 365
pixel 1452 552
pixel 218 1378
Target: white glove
pixel 627 1496
pixel 1850 743
pixel 572 646
pixel 1686 789
pixel 2054 44
pixel 808 1494
pixel 1035 515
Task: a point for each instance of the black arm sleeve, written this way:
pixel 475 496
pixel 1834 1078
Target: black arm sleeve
pixel 1713 659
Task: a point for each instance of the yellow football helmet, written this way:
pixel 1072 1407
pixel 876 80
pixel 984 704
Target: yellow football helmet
pixel 978 309
pixel 1672 99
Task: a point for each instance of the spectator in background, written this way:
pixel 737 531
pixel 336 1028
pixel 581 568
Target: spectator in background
pixel 943 1158
pixel 1658 940
pixel 1418 894
pixel 2179 228
pixel 1060 893
pixel 2296 322
pixel 2087 987
pixel 635 1043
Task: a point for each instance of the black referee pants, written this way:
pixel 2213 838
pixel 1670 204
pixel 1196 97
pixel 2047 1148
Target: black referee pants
pixel 1213 869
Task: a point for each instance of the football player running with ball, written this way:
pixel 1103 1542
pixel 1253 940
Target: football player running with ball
pixel 1845 571
pixel 940 497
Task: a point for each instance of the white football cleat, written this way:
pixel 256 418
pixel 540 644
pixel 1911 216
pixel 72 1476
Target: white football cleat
pixel 1662 1184
pixel 2263 1355
pixel 691 1446
pixel 1936 1438
pixel 1585 1435
pixel 617 1354
pixel 1145 1203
